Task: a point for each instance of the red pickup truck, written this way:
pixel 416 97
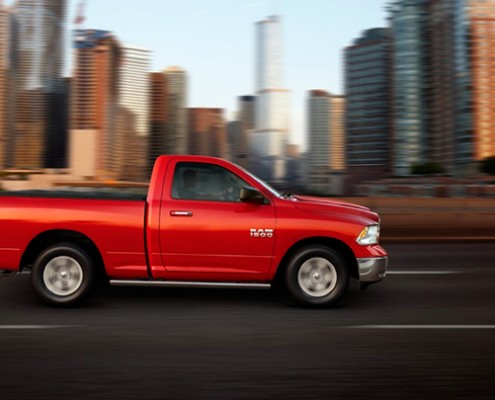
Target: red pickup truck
pixel 204 222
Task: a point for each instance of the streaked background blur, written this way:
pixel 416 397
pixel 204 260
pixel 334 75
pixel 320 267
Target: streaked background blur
pixel 413 117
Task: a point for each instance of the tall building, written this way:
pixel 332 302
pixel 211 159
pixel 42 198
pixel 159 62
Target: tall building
pixel 134 85
pixel 158 105
pixel 176 131
pixel 36 42
pixel 207 132
pixel 463 91
pixel 337 133
pixel 247 120
pixel 134 105
pixel 318 132
pixel 4 81
pixel 56 148
pixel 481 20
pixel 368 90
pixel 411 91
pixel 94 104
pixel 326 152
pixel 270 137
pixel 442 83
pixel 462 118
pixel 442 97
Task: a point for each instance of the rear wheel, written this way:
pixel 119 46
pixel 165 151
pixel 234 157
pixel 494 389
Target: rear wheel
pixel 63 275
pixel 317 276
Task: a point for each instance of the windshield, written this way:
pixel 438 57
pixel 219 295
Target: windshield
pixel 261 182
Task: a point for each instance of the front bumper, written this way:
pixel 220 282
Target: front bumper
pixel 372 269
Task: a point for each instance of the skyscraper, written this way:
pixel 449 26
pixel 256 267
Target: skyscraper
pixel 442 96
pixel 462 41
pixel 36 41
pixel 240 143
pixel 133 128
pixel 337 133
pixel 481 20
pixel 462 83
pixel 442 83
pixel 158 104
pixel 4 111
pixel 326 139
pixel 270 137
pixel 410 90
pixel 94 104
pixel 367 82
pixel 134 85
pixel 176 130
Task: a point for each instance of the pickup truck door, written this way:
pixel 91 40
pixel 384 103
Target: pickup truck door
pixel 209 234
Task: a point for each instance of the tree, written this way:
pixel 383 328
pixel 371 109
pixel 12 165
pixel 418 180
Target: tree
pixel 488 165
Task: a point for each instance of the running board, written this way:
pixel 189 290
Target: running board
pixel 189 284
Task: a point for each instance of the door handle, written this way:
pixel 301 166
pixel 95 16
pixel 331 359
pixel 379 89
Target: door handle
pixel 181 213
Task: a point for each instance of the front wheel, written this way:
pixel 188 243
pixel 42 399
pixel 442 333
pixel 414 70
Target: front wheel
pixel 317 276
pixel 63 275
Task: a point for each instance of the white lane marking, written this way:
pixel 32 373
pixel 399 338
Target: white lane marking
pixel 419 272
pixel 37 326
pixel 423 327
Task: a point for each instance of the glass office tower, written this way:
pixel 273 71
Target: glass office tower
pixel 368 89
pixel 36 63
pixel 410 90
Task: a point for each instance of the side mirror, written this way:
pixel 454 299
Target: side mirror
pixel 252 195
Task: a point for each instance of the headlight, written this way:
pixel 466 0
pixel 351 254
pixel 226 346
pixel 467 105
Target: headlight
pixel 369 235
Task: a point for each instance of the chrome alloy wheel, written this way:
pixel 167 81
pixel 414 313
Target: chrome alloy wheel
pixel 63 276
pixel 317 277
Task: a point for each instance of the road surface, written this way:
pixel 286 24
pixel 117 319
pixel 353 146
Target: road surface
pixel 426 332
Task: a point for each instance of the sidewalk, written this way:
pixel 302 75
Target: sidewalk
pixel 433 219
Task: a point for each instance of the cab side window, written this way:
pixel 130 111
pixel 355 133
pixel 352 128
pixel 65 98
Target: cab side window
pixel 202 181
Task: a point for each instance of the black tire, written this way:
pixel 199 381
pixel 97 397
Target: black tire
pixel 317 276
pixel 63 275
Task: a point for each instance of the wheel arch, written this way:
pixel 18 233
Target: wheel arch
pixel 338 245
pixel 52 237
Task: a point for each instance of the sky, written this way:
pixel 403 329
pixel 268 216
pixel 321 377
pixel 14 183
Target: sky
pixel 214 41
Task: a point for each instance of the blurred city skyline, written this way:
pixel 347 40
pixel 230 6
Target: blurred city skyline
pixel 409 95
pixel 213 40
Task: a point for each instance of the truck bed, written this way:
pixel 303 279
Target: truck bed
pixel 113 222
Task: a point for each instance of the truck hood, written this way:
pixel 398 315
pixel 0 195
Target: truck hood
pixel 325 205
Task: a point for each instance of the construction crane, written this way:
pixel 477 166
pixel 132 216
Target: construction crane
pixel 80 17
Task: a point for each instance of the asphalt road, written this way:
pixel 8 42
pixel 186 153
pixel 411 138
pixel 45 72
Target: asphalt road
pixel 426 332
